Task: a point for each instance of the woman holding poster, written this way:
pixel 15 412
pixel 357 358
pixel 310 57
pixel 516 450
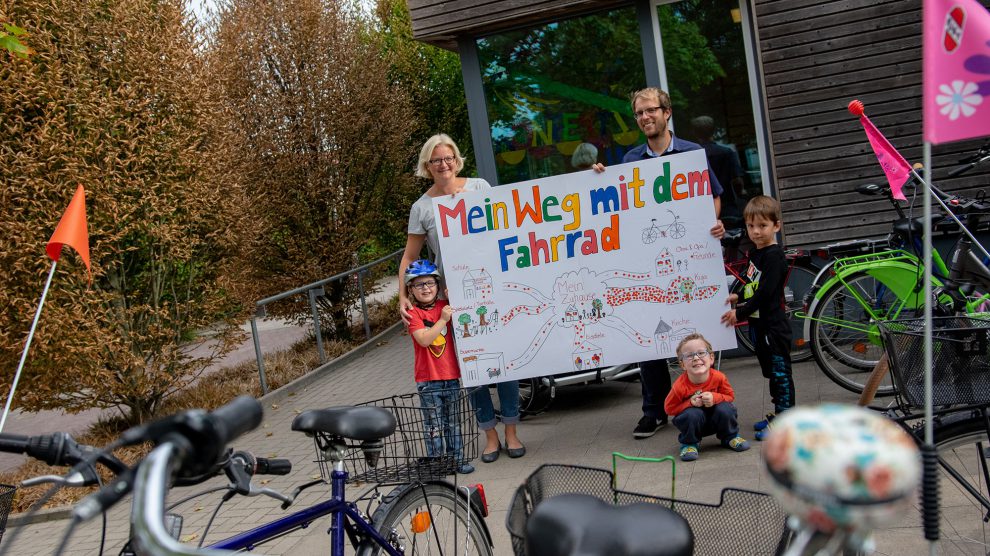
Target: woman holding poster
pixel 441 161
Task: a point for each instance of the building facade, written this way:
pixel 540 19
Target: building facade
pixel 766 80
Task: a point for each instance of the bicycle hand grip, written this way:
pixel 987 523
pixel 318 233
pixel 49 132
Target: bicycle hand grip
pixel 13 443
pixel 267 466
pixel 236 418
pixel 962 169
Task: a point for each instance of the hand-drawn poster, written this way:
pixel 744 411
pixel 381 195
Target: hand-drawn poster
pixel 583 270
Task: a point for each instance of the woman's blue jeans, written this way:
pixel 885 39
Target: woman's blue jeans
pixel 484 409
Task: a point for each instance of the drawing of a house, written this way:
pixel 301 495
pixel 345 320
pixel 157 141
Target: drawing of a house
pixel 571 314
pixel 477 284
pixel 587 356
pixel 661 337
pixel 664 264
pixel 679 334
pixel 483 368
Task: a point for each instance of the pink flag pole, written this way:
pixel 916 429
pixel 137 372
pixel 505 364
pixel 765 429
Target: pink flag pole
pixel 27 346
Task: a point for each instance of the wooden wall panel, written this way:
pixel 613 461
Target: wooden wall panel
pixel 441 22
pixel 816 57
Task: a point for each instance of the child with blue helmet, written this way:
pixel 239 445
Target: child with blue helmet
pixel 436 368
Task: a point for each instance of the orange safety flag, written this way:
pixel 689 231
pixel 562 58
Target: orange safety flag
pixel 72 230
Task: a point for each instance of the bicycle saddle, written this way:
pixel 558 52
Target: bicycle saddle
pixel 582 525
pixel 356 423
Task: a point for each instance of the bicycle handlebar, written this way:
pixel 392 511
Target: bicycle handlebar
pixel 198 437
pixel 59 448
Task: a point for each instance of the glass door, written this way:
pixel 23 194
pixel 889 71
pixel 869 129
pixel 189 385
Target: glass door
pixel 704 51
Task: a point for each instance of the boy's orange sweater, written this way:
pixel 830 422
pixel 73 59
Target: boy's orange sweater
pixel 683 390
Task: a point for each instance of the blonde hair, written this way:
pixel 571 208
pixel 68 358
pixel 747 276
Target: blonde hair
pixel 763 207
pixel 693 336
pixel 423 166
pixel 661 96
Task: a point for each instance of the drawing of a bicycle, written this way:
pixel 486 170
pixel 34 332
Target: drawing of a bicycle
pixel 675 229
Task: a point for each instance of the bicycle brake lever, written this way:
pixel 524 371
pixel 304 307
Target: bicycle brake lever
pixel 265 491
pixel 73 480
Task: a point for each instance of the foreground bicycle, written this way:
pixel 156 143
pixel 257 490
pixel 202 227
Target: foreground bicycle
pixel 853 295
pixel 382 443
pixel 839 471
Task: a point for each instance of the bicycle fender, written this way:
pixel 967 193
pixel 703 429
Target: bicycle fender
pixel 368 546
pixel 899 276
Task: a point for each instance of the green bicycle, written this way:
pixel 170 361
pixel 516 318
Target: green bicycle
pixel 852 295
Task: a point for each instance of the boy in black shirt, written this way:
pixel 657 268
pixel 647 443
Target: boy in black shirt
pixel 762 305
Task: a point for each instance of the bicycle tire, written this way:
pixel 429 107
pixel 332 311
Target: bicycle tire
pixel 956 438
pixel 848 356
pixel 799 281
pixel 443 509
pixel 534 397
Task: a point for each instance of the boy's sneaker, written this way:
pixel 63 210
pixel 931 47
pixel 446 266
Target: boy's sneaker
pixel 648 426
pixel 689 452
pixel 738 444
pixel 762 435
pixel 465 469
pixel 760 425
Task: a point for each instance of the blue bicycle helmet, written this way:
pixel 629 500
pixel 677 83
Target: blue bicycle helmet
pixel 419 268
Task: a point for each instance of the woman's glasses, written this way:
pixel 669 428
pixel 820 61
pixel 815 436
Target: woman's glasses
pixel 445 160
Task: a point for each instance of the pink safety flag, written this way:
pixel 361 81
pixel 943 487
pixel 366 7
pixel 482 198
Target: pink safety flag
pixel 893 164
pixel 956 78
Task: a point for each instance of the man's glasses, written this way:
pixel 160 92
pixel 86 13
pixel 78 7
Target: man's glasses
pixel 647 112
pixel 699 354
pixel 444 160
pixel 429 285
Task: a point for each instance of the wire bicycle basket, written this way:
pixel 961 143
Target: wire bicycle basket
pixel 743 522
pixel 410 454
pixel 6 503
pixel 960 360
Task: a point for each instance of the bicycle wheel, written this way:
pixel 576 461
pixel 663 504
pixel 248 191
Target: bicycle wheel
pixel 844 337
pixel 798 283
pixel 961 440
pixel 431 519
pixel 534 396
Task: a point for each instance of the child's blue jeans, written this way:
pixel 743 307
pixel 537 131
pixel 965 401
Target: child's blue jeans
pixel 439 400
pixel 698 422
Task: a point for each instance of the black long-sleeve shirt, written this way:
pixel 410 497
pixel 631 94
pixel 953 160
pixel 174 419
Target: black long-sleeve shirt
pixel 764 291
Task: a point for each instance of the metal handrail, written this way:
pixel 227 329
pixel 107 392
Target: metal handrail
pixel 314 290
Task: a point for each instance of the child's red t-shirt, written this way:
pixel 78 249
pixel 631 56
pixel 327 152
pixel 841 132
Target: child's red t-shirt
pixel 438 361
pixel 682 390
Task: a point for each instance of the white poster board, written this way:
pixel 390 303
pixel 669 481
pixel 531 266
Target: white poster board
pixel 583 270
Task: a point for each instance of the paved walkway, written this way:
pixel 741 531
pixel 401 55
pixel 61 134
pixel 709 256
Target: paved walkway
pixel 583 427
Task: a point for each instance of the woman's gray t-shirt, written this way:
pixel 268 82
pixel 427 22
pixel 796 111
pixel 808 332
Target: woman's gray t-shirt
pixel 421 219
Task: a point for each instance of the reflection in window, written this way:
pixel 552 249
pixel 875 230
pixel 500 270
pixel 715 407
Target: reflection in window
pixel 705 61
pixel 552 88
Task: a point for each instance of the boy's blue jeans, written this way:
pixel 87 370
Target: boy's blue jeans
pixel 484 409
pixel 439 401
pixel 698 422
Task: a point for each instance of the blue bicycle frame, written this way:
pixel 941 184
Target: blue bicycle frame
pixel 337 506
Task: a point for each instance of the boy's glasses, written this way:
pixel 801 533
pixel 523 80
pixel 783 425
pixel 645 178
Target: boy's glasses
pixel 424 285
pixel 699 354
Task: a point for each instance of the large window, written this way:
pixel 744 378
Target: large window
pixel 550 89
pixel 704 60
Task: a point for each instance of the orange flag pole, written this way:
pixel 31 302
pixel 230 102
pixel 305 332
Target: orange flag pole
pixel 71 231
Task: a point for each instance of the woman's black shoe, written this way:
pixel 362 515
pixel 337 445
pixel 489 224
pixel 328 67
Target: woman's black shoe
pixel 516 452
pixel 489 457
